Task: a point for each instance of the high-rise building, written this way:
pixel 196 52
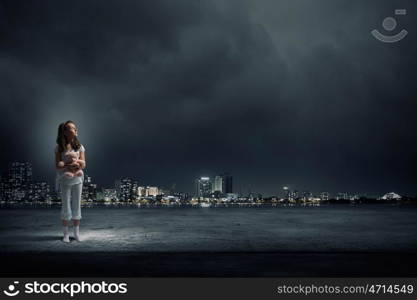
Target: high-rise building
pixel 227 183
pixel 20 173
pixel 218 184
pixel 38 192
pixel 286 192
pixel 5 190
pixel 223 183
pixel 123 188
pixel 126 189
pixel 18 185
pixel 15 186
pixel 89 192
pixel 289 194
pixel 203 187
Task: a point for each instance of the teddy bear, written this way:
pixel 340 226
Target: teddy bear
pixel 69 158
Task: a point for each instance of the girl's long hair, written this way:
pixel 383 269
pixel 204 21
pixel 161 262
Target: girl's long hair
pixel 61 140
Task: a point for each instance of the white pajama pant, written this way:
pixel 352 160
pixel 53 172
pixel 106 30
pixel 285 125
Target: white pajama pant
pixel 71 201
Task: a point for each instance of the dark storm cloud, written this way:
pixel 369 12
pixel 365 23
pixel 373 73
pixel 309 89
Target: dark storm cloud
pixel 276 92
pixel 354 96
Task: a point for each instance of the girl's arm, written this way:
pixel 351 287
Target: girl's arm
pixel 82 160
pixel 81 163
pixel 59 164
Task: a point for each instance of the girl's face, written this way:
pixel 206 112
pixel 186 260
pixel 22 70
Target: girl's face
pixel 70 131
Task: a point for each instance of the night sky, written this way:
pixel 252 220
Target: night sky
pixel 277 93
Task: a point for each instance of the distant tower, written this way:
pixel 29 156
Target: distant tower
pixel 286 192
pixel 203 187
pixel 17 186
pixel 227 183
pixel 20 173
pixel 223 183
pixel 89 189
pixel 126 189
pixel 218 184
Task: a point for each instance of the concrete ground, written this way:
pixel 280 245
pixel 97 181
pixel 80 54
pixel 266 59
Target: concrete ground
pixel 336 240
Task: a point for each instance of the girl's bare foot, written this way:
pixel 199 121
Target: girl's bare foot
pixel 77 233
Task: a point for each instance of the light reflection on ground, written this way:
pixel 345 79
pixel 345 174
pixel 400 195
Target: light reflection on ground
pixel 285 229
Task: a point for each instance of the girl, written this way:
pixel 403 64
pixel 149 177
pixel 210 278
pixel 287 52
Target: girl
pixel 70 188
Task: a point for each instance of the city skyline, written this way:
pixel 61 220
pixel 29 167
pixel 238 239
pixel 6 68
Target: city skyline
pixel 208 188
pixel 278 93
